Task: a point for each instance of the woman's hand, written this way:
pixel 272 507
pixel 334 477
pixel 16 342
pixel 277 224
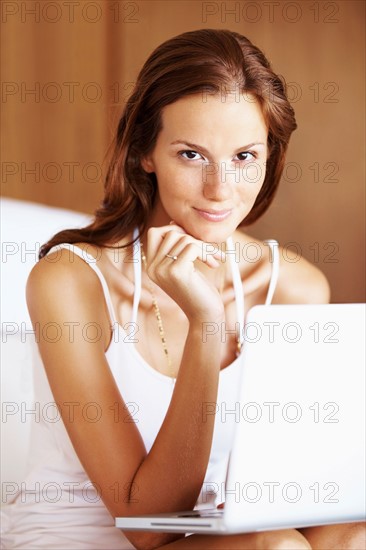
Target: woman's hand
pixel 196 295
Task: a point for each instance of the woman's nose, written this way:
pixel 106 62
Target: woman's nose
pixel 218 179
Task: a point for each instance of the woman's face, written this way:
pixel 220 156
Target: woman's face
pixel 210 161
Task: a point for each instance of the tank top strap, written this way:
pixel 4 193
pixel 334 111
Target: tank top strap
pixel 238 285
pixel 91 261
pixel 238 288
pixel 275 260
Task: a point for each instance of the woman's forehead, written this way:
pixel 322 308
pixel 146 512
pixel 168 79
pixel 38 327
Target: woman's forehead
pixel 195 117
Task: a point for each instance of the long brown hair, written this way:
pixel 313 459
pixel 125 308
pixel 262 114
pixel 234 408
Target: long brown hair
pixel 203 61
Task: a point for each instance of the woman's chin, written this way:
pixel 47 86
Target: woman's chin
pixel 216 233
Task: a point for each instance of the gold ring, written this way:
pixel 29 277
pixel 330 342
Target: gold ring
pixel 172 257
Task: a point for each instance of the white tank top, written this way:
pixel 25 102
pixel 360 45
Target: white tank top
pixel 64 510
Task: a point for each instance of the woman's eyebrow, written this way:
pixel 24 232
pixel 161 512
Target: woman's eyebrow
pixel 204 150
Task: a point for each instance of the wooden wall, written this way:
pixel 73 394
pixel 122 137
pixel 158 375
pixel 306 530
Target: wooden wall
pixel 68 67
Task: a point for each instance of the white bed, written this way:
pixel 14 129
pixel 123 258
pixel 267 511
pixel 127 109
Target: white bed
pixel 24 227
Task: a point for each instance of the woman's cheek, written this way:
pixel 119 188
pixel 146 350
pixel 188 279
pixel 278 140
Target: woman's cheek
pixel 253 182
pixel 169 178
pixel 253 174
pixel 183 183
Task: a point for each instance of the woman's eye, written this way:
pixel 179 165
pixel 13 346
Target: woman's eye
pixel 190 155
pixel 247 155
pixel 242 157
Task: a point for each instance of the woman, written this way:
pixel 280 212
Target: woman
pixel 199 152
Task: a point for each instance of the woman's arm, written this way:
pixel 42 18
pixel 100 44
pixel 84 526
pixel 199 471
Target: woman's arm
pixel 112 452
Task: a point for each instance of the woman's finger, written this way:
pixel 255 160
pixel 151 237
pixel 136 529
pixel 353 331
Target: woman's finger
pixel 171 241
pixel 156 237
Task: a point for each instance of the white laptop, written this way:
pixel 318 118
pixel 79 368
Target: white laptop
pixel 298 455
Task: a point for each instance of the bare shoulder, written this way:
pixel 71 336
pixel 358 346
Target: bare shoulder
pixel 59 274
pixel 299 280
pixel 63 288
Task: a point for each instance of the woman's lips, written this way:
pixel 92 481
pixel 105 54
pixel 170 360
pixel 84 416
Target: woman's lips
pixel 213 215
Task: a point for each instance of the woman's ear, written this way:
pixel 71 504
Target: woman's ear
pixel 148 164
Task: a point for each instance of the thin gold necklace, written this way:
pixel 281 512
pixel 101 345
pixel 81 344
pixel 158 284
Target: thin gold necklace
pixel 158 318
pixel 160 322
